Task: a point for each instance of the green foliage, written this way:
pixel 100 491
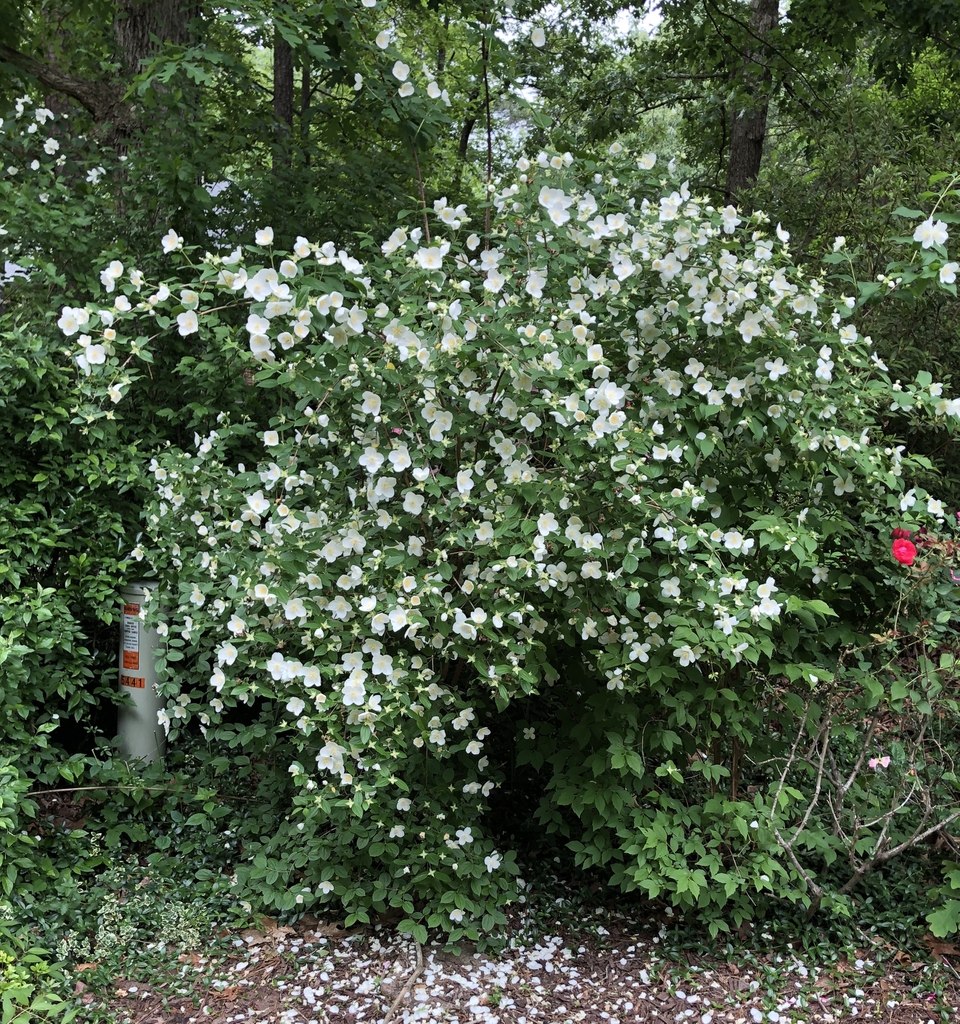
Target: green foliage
pixel 63 542
pixel 945 920
pixel 657 816
pixel 714 619
pixel 644 460
pixel 853 176
pixel 29 983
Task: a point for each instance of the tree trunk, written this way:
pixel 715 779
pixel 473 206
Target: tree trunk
pixel 282 100
pixel 748 126
pixel 137 21
pixel 306 90
pixel 282 80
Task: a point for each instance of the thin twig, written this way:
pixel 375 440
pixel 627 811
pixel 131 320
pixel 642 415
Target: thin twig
pixel 824 732
pixel 864 746
pixel 401 995
pixel 423 198
pixel 485 55
pixel 881 858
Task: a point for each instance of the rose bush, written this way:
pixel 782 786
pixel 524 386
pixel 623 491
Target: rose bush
pixel 617 463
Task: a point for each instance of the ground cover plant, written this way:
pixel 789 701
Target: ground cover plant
pixel 594 459
pixel 570 953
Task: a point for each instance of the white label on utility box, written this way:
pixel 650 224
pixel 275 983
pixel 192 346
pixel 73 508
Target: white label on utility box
pixel 131 636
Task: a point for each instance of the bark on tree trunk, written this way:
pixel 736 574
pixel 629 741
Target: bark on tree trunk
pixel 137 21
pixel 101 99
pixel 748 126
pixel 305 97
pixel 282 80
pixel 282 100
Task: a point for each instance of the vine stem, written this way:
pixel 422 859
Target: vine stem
pixel 94 789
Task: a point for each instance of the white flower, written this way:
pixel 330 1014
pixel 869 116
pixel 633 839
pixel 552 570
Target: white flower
pixel 187 323
pixel 685 655
pixel 371 407
pixel 401 71
pixel 171 241
pixel 264 236
pixel 931 233
pixel 413 503
pixel 371 460
pixel 547 524
pixel 258 503
pixel 492 862
pixel 776 368
pixel 670 587
pixel 227 654
pixel 403 804
pixel 295 706
pixel 72 319
pixel 354 692
pixel 456 915
pixel 431 257
pixel 538 37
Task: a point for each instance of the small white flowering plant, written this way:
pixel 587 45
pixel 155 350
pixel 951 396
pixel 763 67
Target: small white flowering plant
pixel 618 456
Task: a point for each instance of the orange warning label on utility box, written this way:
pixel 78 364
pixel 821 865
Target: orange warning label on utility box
pixel 134 681
pixel 131 659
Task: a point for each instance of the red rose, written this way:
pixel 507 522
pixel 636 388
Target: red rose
pixel 904 551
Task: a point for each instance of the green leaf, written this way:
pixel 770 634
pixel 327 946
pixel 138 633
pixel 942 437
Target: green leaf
pixel 945 920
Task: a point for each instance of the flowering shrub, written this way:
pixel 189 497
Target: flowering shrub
pixel 619 461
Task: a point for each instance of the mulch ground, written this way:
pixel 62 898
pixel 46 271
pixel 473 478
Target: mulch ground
pixel 320 974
